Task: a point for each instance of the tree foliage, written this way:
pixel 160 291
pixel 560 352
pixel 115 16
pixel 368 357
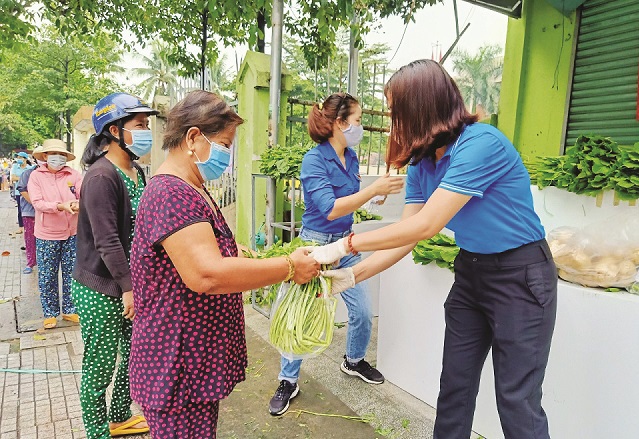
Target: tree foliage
pixel 203 24
pixel 44 81
pixel 479 76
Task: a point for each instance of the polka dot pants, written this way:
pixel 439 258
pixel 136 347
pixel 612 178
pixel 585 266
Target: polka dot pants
pixel 197 420
pixel 50 256
pixel 105 334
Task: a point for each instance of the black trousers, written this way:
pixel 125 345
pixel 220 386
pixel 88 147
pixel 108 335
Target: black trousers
pixel 507 302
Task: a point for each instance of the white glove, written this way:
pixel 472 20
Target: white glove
pixel 341 279
pixel 329 253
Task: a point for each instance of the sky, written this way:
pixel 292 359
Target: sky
pixel 434 25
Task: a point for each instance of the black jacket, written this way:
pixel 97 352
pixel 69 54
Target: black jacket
pixel 104 227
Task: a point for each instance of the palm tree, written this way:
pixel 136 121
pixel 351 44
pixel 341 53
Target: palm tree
pixel 160 75
pixel 220 77
pixel 479 76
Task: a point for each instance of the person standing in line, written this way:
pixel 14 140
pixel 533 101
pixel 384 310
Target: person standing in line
pixel 101 287
pixel 188 349
pixel 468 177
pixel 20 165
pixel 54 191
pixel 331 184
pixel 28 217
pixel 6 170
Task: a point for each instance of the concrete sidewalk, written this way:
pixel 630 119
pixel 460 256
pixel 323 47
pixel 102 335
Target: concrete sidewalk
pixel 46 405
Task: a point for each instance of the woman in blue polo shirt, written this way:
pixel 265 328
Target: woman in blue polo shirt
pixel 331 183
pixel 468 177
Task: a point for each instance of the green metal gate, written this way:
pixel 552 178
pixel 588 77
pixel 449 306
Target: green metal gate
pixel 603 100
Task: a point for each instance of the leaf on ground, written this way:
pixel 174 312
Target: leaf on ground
pixel 39 337
pixel 5 253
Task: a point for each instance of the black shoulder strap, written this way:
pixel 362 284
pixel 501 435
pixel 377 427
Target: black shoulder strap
pixel 140 172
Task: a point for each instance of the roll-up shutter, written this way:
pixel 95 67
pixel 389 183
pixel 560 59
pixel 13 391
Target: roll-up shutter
pixel 604 91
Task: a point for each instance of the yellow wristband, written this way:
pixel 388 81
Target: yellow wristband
pixel 291 269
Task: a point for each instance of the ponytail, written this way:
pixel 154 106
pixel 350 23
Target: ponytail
pixel 94 149
pixel 320 128
pixel 323 116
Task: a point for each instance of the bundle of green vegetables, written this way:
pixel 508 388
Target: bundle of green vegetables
pixel 302 316
pixel 362 214
pixel 302 320
pixel 592 161
pixel 593 164
pixel 440 249
pixel 626 178
pixel 283 162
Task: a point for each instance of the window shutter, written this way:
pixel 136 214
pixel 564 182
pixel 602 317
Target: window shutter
pixel 603 98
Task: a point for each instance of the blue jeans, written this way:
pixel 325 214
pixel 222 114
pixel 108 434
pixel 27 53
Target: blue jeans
pixel 360 316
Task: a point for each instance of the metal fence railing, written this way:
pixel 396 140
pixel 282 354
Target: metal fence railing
pixel 375 116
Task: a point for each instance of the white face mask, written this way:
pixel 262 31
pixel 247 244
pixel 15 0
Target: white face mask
pixel 353 134
pixel 56 162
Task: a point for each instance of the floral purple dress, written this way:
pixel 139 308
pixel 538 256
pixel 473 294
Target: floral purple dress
pixel 188 350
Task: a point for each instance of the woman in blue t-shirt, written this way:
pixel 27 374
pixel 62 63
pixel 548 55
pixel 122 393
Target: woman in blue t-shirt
pixel 331 183
pixel 468 177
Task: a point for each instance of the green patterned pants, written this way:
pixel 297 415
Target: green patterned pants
pixel 105 333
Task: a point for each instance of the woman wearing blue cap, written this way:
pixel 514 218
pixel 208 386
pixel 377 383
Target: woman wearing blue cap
pixel 101 288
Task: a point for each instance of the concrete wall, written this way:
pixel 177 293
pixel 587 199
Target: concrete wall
pixel 536 78
pixel 591 384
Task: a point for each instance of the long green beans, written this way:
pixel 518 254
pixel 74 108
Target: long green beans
pixel 302 322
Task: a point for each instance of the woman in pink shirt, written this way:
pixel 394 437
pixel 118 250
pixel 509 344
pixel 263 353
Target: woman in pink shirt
pixel 54 190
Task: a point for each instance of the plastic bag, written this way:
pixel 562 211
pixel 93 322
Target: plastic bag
pixel 603 254
pixel 302 319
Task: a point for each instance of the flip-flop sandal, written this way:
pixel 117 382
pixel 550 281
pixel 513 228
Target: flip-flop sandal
pixel 73 318
pixel 50 323
pixel 127 429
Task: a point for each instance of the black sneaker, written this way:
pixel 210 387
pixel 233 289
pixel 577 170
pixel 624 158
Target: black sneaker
pixel 363 370
pixel 283 395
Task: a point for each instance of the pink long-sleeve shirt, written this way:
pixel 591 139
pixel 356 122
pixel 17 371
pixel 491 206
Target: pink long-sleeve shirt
pixel 47 190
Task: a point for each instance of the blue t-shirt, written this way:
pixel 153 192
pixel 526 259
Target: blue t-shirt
pixel 17 170
pixel 484 164
pixel 325 179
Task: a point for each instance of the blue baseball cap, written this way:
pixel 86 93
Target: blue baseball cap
pixel 23 154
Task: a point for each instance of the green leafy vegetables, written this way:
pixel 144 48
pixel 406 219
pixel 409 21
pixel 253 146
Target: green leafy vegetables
pixel 440 249
pixel 362 214
pixel 283 163
pixel 593 164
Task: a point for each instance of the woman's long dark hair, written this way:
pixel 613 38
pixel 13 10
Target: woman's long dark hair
pixel 427 112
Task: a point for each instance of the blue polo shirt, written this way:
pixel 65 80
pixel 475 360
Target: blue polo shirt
pixel 484 164
pixel 324 180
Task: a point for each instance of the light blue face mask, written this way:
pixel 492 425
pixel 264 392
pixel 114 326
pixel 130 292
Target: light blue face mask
pixel 142 142
pixel 218 161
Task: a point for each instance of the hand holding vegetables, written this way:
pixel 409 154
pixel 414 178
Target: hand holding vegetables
pixel 341 279
pixel 306 267
pixel 329 253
